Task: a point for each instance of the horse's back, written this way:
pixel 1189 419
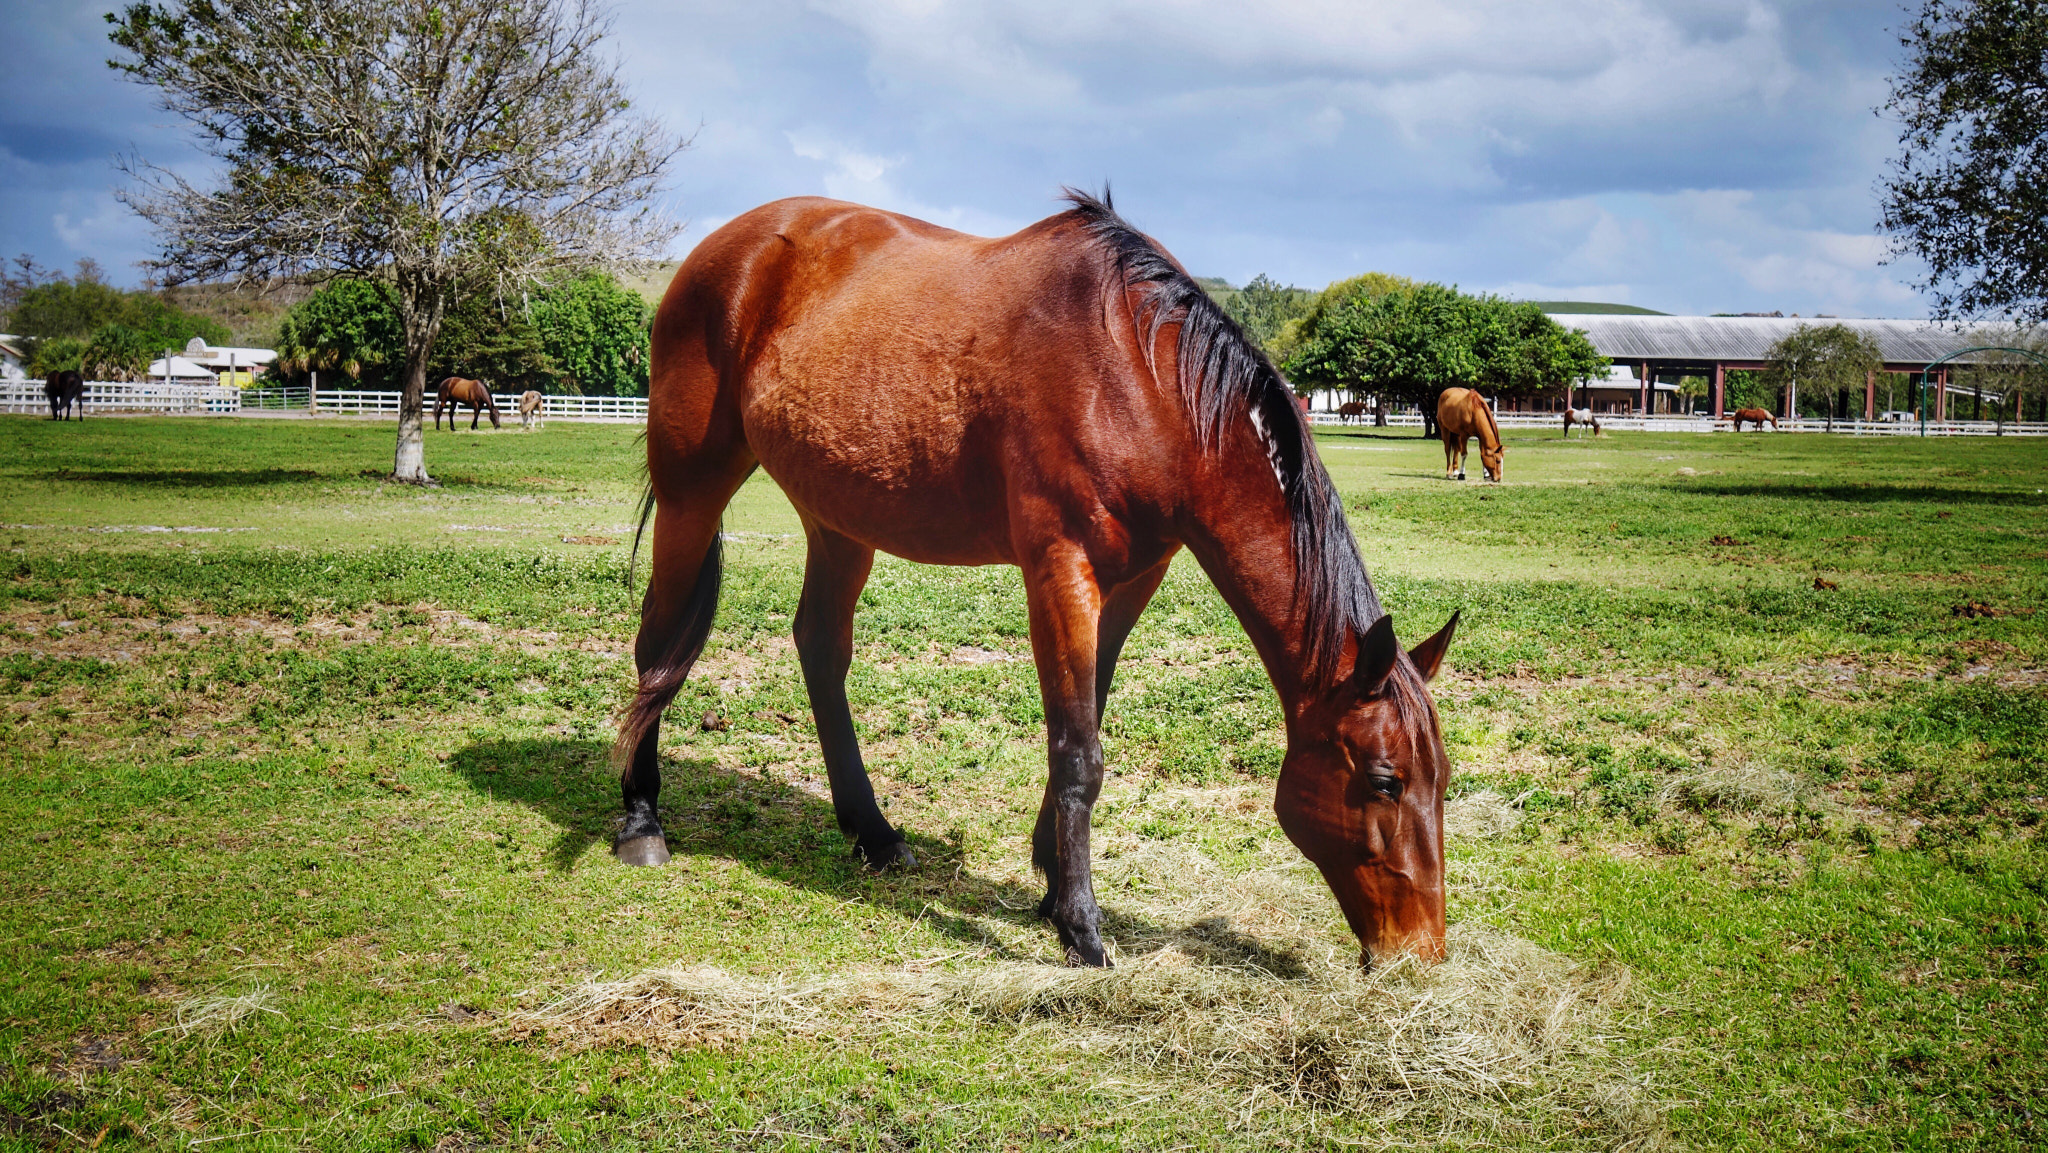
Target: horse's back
pixel 1458 412
pixel 892 375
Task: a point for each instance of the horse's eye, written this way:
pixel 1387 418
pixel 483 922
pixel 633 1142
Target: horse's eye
pixel 1386 786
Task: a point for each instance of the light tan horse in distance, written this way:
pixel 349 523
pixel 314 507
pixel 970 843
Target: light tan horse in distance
pixel 456 391
pixel 1583 417
pixel 1756 417
pixel 532 410
pixel 1462 414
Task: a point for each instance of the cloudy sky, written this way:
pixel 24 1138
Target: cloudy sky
pixel 1690 156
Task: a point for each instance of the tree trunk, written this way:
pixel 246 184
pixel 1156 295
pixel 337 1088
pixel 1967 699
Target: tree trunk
pixel 420 310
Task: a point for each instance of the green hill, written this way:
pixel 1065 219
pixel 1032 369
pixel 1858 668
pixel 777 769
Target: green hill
pixel 1589 307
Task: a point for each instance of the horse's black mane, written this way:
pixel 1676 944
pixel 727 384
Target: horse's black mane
pixel 1223 373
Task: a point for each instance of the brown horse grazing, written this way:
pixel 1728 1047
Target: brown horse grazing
pixel 1069 401
pixel 1351 410
pixel 1583 417
pixel 65 390
pixel 459 391
pixel 532 410
pixel 1462 414
pixel 1756 417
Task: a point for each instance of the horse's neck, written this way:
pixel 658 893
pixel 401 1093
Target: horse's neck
pixel 1244 538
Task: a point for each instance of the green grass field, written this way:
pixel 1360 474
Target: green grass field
pixel 308 811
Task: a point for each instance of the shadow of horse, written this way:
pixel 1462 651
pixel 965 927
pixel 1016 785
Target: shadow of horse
pixel 788 835
pixel 1859 492
pixel 186 478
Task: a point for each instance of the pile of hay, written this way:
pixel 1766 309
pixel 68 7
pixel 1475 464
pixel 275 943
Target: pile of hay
pixel 1503 1037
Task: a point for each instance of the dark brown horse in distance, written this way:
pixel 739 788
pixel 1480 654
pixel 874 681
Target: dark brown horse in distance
pixel 1069 401
pixel 1756 418
pixel 1462 414
pixel 65 390
pixel 456 391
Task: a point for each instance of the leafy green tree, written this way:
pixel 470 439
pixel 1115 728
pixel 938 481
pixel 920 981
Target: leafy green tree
pixel 1745 388
pixel 1263 308
pixel 1969 190
pixel 1824 360
pixel 1410 344
pixel 56 354
pixel 1523 353
pixel 491 340
pixel 118 352
pixel 596 331
pixel 81 305
pixel 436 143
pixel 350 325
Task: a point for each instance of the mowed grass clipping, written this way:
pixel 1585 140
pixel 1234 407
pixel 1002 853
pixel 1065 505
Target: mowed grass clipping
pixel 307 776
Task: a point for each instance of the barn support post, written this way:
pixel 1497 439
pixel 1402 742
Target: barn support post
pixel 1870 396
pixel 1720 390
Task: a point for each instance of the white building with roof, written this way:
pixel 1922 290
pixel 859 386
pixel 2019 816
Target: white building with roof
pixel 228 364
pixel 1651 348
pixel 13 361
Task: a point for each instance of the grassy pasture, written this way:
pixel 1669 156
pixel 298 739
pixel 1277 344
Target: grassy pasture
pixel 308 806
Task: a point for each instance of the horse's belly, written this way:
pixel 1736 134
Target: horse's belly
pixel 904 479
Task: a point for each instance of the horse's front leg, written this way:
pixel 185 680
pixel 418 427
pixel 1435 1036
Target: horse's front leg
pixel 1066 605
pixel 835 570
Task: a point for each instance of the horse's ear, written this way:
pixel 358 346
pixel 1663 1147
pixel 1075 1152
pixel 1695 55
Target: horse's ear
pixel 1430 653
pixel 1377 652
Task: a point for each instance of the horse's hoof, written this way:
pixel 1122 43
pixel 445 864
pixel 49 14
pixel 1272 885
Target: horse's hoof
pixel 891 856
pixel 642 851
pixel 1088 956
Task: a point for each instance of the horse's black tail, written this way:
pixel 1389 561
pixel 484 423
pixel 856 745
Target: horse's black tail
pixel 687 628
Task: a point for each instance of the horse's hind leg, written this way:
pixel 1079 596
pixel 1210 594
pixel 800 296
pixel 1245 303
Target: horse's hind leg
pixel 835 570
pixel 675 620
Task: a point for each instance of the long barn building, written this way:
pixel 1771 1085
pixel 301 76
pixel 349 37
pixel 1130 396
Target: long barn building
pixel 1655 347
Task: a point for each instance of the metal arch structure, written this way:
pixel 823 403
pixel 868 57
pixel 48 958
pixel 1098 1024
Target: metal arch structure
pixel 2029 353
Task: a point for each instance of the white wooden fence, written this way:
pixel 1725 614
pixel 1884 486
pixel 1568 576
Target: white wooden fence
pixel 213 399
pixel 147 396
pixel 1554 421
pixel 219 400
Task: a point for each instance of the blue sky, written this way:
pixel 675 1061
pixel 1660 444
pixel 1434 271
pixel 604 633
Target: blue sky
pixel 1689 156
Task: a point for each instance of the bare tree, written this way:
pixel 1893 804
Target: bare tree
pixel 439 143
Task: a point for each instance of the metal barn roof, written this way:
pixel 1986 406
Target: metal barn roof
pixel 1749 338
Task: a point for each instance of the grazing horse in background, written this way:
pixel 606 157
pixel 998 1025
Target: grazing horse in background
pixel 65 390
pixel 532 410
pixel 1583 417
pixel 1756 417
pixel 1462 414
pixel 1351 410
pixel 459 391
pixel 1067 400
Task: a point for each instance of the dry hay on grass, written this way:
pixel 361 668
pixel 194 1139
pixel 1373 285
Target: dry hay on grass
pixel 1739 784
pixel 221 1013
pixel 1503 1038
